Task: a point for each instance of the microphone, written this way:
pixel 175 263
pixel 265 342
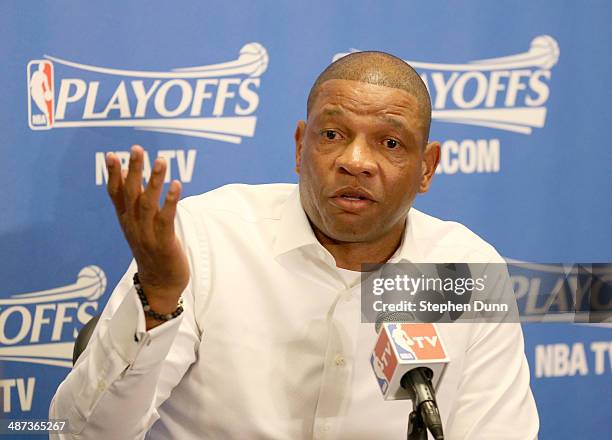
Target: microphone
pixel 409 361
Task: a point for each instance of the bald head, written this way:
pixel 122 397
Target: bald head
pixel 381 69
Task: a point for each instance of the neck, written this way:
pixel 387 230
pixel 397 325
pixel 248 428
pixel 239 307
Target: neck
pixel 351 255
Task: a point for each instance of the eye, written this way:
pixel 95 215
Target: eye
pixel 391 143
pixel 331 134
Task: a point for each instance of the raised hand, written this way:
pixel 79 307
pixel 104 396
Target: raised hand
pixel 149 230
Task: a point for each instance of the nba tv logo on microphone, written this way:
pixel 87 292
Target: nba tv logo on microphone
pixel 41 97
pixel 401 347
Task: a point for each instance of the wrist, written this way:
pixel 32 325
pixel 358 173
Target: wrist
pixel 160 307
pixel 162 301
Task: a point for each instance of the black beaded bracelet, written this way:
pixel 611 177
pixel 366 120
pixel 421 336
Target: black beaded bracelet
pixel 147 308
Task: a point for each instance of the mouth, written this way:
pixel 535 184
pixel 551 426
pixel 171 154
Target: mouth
pixel 352 199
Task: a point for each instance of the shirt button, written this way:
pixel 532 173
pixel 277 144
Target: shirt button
pixel 101 385
pixel 339 362
pixel 327 427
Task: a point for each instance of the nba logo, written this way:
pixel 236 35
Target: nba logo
pixel 403 343
pixel 40 94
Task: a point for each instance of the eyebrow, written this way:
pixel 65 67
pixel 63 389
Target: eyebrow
pixel 393 121
pixel 409 131
pixel 333 111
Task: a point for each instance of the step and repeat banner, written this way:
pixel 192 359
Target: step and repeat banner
pixel 521 104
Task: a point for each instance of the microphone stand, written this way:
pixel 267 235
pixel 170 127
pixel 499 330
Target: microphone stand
pixel 425 412
pixel 416 428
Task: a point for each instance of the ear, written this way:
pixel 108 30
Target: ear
pixel 300 131
pixel 431 158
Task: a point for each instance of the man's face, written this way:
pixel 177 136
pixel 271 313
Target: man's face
pixel 361 160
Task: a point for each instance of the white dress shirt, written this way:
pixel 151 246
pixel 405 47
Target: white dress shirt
pixel 270 345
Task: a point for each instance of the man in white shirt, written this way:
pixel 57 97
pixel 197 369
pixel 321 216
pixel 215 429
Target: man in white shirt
pixel 270 343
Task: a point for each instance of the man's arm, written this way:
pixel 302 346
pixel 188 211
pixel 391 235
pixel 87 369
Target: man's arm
pixel 115 387
pixel 162 264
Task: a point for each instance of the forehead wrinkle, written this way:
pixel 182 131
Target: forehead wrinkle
pixel 391 116
pixel 360 107
pixel 378 96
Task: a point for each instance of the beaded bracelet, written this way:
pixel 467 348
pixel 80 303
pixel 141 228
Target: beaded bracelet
pixel 147 308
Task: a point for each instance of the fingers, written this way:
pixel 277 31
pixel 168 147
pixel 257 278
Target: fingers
pixel 133 180
pixel 145 219
pixel 149 200
pixel 165 217
pixel 115 183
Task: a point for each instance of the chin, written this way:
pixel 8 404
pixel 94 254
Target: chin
pixel 352 233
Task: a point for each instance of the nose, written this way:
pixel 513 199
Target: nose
pixel 357 159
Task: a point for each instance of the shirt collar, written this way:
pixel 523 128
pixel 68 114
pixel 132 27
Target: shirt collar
pixel 409 249
pixel 295 232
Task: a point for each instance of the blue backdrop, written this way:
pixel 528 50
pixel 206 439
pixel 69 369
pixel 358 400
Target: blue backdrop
pixel 520 104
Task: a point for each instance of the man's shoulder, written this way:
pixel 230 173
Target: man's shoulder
pixel 437 237
pixel 250 202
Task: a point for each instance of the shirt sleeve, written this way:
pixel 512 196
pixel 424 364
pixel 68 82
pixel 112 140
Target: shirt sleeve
pixel 494 394
pixel 125 373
